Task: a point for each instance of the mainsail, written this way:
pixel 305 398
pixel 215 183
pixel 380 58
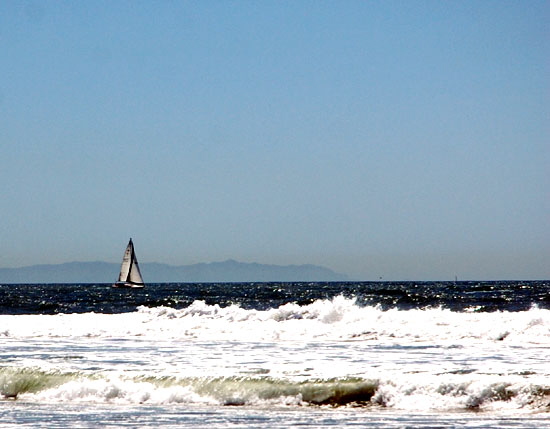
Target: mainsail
pixel 129 276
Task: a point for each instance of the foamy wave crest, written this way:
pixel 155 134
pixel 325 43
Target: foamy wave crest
pixel 337 319
pixel 490 393
pixel 341 318
pixel 405 394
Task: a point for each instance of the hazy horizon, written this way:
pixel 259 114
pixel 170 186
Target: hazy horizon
pixel 394 140
pixel 245 263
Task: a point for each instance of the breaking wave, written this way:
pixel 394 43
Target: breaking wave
pixel 335 319
pixel 326 353
pixel 35 385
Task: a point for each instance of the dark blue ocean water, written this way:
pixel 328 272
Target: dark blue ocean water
pixel 485 296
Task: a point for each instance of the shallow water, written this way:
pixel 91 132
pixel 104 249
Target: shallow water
pixel 146 416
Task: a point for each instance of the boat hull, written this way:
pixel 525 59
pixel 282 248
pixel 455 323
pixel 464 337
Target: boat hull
pixel 128 285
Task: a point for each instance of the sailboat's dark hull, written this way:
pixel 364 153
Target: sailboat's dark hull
pixel 128 285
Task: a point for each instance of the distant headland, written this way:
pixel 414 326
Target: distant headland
pixel 226 271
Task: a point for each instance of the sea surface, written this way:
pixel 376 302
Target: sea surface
pixel 276 355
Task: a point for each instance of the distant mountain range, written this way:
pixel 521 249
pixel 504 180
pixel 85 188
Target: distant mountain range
pixel 227 271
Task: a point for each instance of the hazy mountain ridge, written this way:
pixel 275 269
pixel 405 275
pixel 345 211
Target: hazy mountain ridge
pixel 226 271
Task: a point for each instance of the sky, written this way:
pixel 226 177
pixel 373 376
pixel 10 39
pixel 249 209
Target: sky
pixel 402 140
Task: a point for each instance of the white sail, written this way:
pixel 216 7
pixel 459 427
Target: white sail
pixel 130 275
pixel 126 262
pixel 135 275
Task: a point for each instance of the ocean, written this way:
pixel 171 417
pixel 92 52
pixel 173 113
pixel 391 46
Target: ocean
pixel 276 355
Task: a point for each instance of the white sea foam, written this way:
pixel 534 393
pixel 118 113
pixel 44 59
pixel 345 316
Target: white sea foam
pixel 333 320
pixel 330 351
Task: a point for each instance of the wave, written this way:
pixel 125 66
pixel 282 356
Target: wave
pixel 34 385
pixel 336 319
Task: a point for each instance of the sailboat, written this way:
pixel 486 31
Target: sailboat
pixel 129 276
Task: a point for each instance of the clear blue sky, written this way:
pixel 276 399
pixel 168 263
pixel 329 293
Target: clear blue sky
pixel 395 139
